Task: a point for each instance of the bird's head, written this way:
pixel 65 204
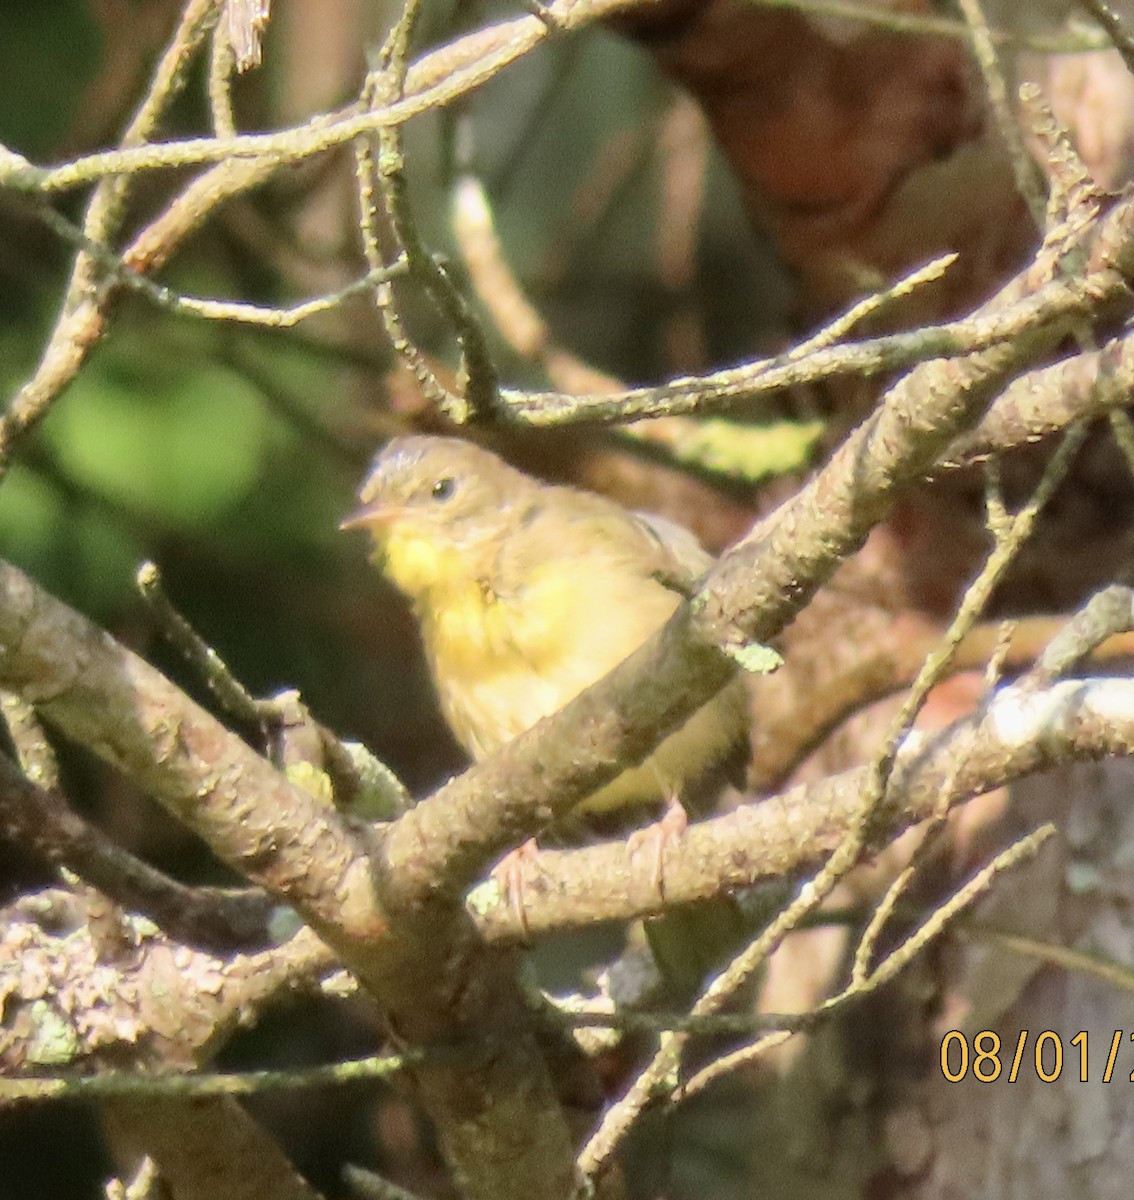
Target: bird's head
pixel 437 508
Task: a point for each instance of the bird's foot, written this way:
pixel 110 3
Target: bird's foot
pixel 511 876
pixel 654 838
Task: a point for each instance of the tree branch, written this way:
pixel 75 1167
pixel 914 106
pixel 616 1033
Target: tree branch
pixel 100 694
pixel 71 1005
pixel 1049 398
pixel 437 79
pixel 216 919
pixel 1019 733
pixel 444 844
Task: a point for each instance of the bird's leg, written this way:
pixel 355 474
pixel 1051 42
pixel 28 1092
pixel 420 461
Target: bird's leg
pixel 655 837
pixel 510 874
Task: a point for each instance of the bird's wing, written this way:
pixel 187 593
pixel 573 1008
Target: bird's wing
pixel 682 558
pixel 564 523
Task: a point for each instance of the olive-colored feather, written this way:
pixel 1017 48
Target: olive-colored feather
pixel 528 593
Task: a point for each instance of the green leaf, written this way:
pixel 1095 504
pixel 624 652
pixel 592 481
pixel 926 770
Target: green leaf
pixel 183 445
pixel 79 552
pixel 50 52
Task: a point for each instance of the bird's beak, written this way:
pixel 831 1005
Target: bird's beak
pixel 371 516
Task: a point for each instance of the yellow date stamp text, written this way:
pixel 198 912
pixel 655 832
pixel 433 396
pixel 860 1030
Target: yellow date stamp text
pixel 987 1057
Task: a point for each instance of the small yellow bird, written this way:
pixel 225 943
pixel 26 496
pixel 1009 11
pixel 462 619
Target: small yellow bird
pixel 528 593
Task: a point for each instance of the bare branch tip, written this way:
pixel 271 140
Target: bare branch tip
pixel 147 578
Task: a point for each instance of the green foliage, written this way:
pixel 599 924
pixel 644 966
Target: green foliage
pixel 181 442
pixel 50 51
pixel 153 439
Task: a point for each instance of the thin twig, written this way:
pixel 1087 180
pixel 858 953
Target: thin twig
pixel 1023 167
pixel 29 740
pixel 82 312
pixel 213 310
pixel 660 1074
pixel 1068 42
pixel 361 783
pixel 1065 957
pixel 221 63
pixel 886 970
pixel 718 389
pixel 387 170
pixel 231 693
pixel 1009 534
pixel 871 306
pixel 1107 613
pixel 437 79
pixel 1115 28
pixel 134 1085
pixel 221 920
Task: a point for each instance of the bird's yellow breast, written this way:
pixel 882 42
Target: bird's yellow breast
pixel 417 563
pixel 527 594
pixel 469 627
pixel 474 630
pixel 502 663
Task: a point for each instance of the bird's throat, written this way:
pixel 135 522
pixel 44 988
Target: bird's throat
pixel 420 566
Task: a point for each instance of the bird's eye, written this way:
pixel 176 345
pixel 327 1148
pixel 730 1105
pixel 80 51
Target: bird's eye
pixel 443 488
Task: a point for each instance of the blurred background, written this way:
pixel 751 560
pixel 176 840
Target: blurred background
pixel 227 454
